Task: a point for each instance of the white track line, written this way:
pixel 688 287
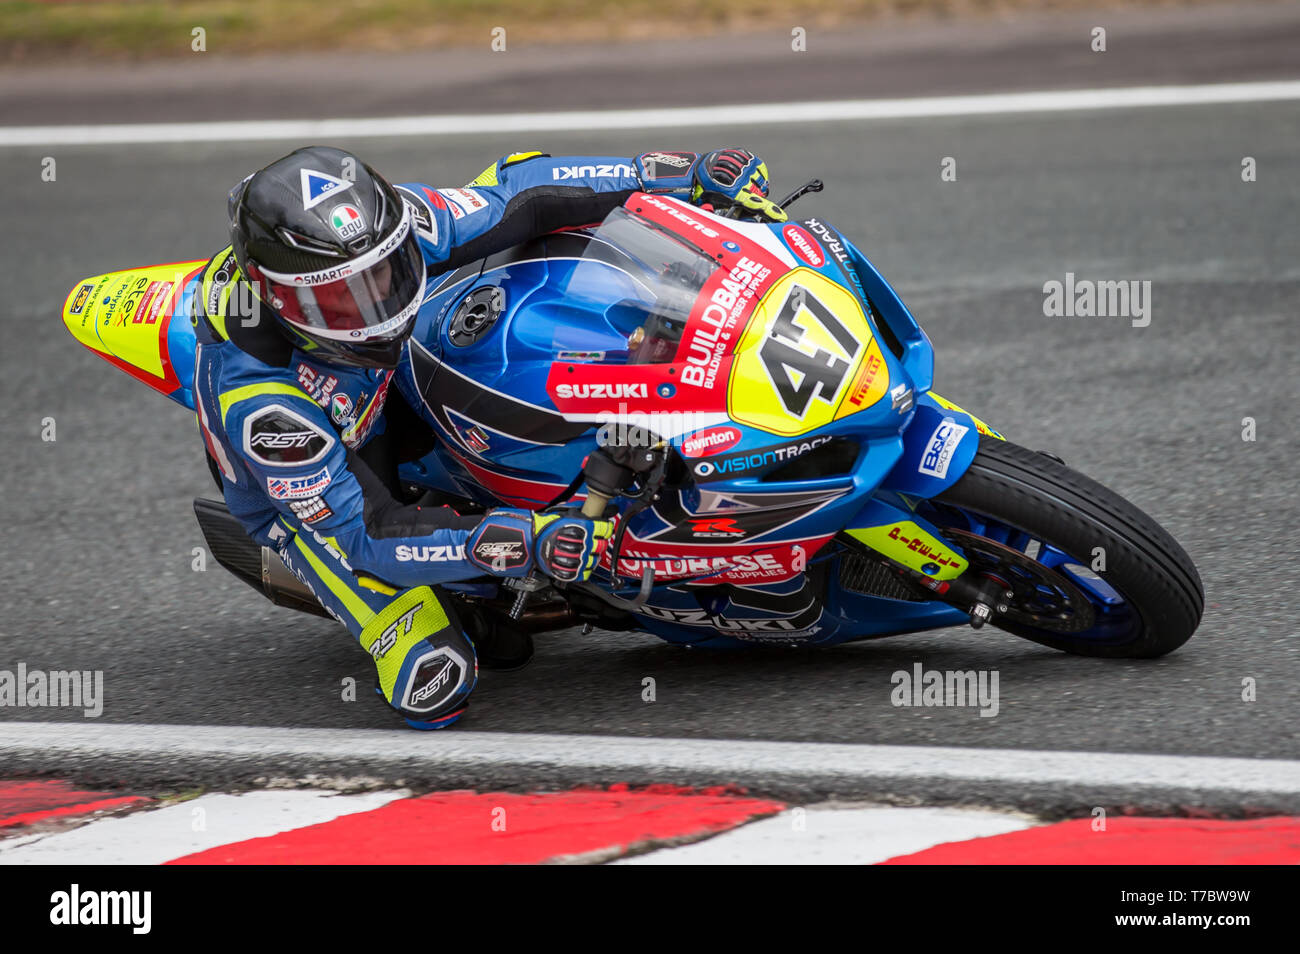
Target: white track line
pixel 766 114
pixel 151 837
pixel 835 836
pixel 214 746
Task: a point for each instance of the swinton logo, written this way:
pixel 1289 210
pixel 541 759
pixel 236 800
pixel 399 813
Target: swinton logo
pixel 713 441
pixel 804 245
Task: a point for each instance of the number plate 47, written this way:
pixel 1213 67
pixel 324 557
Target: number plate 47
pixel 806 358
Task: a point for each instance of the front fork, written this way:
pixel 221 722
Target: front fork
pixel 979 594
pixel 938 446
pixel 917 551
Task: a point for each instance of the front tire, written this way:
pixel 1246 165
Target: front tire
pixel 1034 524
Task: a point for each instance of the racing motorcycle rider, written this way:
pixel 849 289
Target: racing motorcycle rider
pixel 301 323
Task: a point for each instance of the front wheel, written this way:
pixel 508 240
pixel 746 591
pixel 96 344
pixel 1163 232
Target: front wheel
pixel 1089 573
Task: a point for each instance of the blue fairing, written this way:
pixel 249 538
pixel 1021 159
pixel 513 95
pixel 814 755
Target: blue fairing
pixel 555 307
pixel 930 463
pixel 530 466
pixel 180 344
pixel 553 303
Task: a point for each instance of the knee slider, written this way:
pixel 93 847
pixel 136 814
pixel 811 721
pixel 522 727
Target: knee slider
pixel 427 667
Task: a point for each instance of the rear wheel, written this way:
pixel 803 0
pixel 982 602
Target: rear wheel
pixel 1089 573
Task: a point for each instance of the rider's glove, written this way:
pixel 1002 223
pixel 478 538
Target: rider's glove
pixel 510 542
pixel 569 547
pixel 734 177
pixel 503 543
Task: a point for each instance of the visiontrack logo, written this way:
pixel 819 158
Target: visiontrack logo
pixel 933 687
pixel 36 688
pixel 74 907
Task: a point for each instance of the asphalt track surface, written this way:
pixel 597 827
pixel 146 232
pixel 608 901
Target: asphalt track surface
pixel 916 56
pixel 98 530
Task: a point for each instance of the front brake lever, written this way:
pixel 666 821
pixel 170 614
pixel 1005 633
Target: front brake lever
pixel 650 485
pixel 812 185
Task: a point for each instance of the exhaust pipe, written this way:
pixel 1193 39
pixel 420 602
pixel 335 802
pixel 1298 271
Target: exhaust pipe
pixel 260 567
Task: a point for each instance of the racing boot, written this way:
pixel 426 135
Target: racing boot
pixel 427 666
pixel 502 646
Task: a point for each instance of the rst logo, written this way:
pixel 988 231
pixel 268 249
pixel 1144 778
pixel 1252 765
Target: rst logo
pixel 804 245
pixel 499 551
pixel 607 391
pixel 713 441
pixel 388 638
pixel 442 678
pixel 290 439
pixel 680 160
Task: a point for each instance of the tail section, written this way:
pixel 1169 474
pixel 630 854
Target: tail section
pixel 138 320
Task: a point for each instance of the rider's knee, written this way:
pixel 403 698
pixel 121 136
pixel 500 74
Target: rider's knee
pixel 427 667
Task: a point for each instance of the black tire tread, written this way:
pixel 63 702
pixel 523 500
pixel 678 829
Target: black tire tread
pixel 1050 500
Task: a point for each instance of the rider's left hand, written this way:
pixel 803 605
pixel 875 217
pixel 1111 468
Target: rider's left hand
pixel 734 177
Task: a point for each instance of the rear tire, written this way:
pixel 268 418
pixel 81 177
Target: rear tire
pixel 1021 496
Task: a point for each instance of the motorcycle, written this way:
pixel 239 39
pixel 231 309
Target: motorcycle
pixel 752 403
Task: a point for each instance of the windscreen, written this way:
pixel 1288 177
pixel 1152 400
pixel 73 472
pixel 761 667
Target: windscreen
pixel 645 280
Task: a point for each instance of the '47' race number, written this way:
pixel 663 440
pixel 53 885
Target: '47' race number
pixel 806 340
pixel 799 366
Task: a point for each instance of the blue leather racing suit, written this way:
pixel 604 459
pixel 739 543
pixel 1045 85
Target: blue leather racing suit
pixel 293 438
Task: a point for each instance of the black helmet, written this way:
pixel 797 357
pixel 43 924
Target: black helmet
pixel 330 247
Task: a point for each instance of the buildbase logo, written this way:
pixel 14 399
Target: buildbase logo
pixel 75 906
pixel 713 441
pixel 58 688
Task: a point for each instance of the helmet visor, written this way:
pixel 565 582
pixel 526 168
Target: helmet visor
pixel 372 297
